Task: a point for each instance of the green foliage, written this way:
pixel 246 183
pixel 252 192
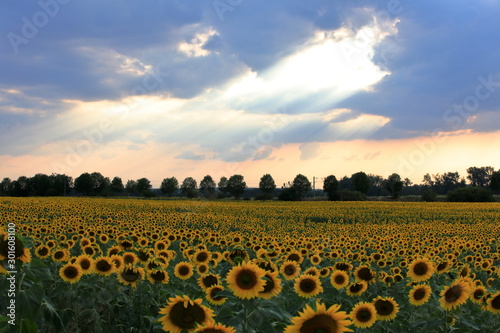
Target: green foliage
pixel 346 195
pixel 236 185
pixel 361 182
pixel 169 186
pixel 330 186
pixel 267 184
pixel 470 194
pixel 429 195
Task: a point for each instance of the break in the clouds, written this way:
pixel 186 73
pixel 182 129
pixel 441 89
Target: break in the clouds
pixel 237 80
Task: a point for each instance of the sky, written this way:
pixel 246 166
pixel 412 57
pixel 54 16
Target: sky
pixel 161 88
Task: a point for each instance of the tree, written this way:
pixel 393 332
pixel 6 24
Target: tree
pixel 495 181
pixel 345 183
pixel 117 185
pixel 394 185
pixel 61 184
pixel 84 184
pixel 267 184
pixel 236 186
pixel 169 186
pixel 428 180
pixel 480 176
pixel 100 183
pixel 143 185
pixel 40 184
pixel 470 194
pixel 361 182
pixel 188 187
pixel 5 186
pixel 207 187
pixel 447 182
pixel 131 187
pixel 222 186
pixel 301 184
pixel 330 186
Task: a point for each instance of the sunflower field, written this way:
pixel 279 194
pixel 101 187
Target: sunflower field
pixel 134 265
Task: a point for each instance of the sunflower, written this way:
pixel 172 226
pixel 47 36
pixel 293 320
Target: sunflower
pixel 315 259
pixel 290 270
pixel 339 279
pixel 211 295
pixel 363 315
pixel 477 294
pixel 386 308
pixel 320 320
pixel 295 256
pixel 202 257
pixel 85 263
pixel 114 250
pixel 130 275
pixel 443 267
pixel 419 294
pixel 357 288
pixel 493 303
pixel 205 281
pixel 272 286
pixel 70 273
pixel 202 269
pixel 454 295
pixel 308 286
pixel 183 270
pixel 103 266
pixel 246 280
pixel 157 276
pixel 364 273
pixel 42 251
pixel 214 328
pixel 118 261
pixel 421 269
pixel 60 255
pixel 182 313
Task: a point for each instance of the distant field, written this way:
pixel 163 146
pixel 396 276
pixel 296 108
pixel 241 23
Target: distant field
pixel 255 266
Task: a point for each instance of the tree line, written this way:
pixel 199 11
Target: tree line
pixel 482 182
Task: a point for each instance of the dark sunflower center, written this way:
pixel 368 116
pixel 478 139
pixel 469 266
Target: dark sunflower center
pixel 213 294
pixel 143 256
pixel 339 279
pixel 126 244
pixel 187 317
pixel 294 257
pixel 478 293
pixel 246 279
pixel 442 266
pixel 202 269
pixel 158 276
pixel 130 275
pixel 342 266
pixel 209 281
pixel 59 254
pixel 307 285
pixel 113 252
pixel 420 269
pixel 43 251
pixel 201 257
pixel 85 264
pixel 128 259
pixel 321 323
pixel 365 274
pixel 103 266
pixel 363 315
pixel 290 270
pixel 89 250
pixel 495 303
pixel 356 287
pixel 384 307
pixel 453 294
pixel 269 285
pixel 184 270
pixel 419 294
pixel 70 272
